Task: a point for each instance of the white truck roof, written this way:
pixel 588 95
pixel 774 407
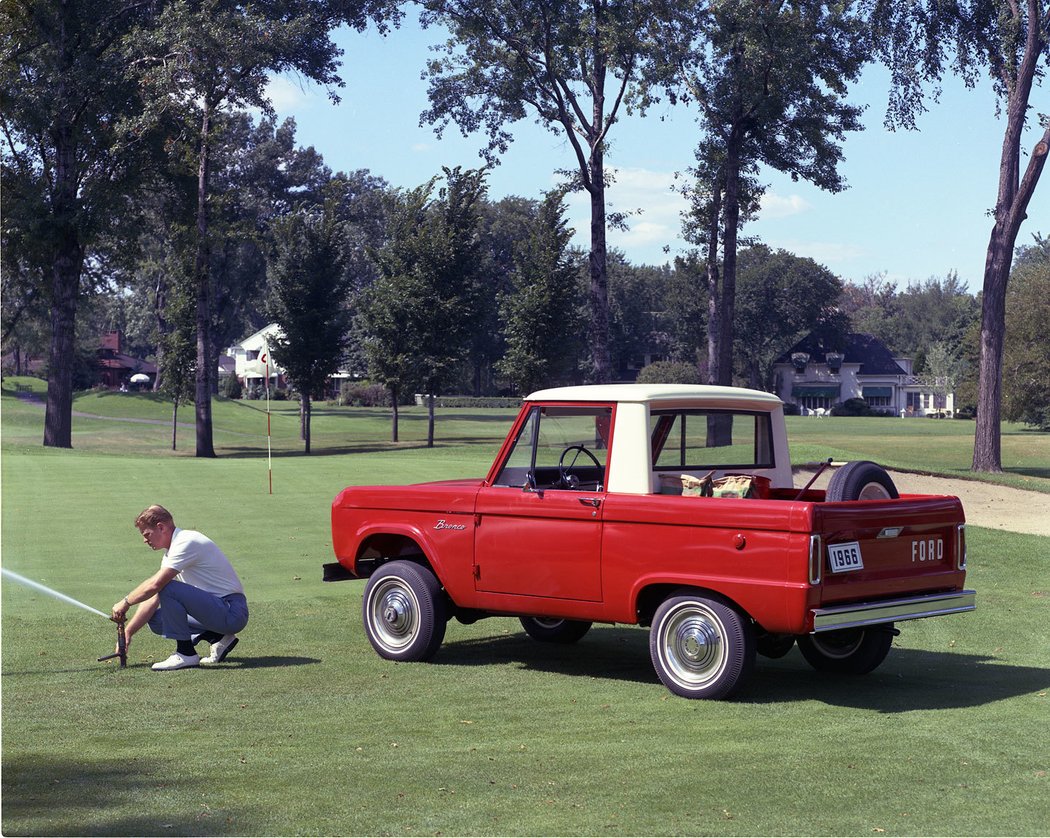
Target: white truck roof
pixel 656 393
pixel 632 471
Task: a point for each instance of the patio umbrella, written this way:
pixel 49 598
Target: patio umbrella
pixel 139 378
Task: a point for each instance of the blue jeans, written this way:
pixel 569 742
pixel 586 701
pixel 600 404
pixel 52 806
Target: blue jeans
pixel 185 610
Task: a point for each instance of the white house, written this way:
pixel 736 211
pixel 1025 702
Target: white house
pixel 817 377
pixel 252 360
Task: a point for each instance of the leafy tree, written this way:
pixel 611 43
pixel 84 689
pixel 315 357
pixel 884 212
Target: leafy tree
pixel 309 293
pixel 219 54
pixel 417 318
pixel 452 281
pixel 1026 354
pixel 1010 40
pixel 77 142
pixel 572 65
pixel 931 312
pixel 770 82
pixel 540 315
pixel 178 367
pixel 781 298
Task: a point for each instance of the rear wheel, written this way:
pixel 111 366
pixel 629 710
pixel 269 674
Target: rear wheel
pixel 861 480
pixel 848 651
pixel 701 647
pixel 554 630
pixel 404 612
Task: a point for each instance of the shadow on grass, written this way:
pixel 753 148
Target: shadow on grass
pixel 267 662
pixel 1029 472
pixel 45 795
pixel 258 662
pixel 909 679
pixel 227 452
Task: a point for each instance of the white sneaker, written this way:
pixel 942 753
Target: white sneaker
pixel 220 649
pixel 177 661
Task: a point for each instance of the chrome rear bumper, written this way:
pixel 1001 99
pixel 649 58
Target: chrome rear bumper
pixel 860 614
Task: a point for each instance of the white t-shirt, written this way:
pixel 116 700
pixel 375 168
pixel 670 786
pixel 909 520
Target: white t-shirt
pixel 201 563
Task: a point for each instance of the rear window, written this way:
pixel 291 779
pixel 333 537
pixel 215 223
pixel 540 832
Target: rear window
pixel 710 439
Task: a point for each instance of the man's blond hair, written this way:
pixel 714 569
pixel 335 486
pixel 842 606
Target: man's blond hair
pixel 153 515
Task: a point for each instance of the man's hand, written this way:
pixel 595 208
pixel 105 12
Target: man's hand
pixel 119 610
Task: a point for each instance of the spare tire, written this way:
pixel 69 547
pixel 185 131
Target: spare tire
pixel 861 480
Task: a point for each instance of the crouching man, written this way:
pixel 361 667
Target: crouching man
pixel 196 595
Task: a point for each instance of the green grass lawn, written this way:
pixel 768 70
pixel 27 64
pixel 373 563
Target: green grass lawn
pixel 307 731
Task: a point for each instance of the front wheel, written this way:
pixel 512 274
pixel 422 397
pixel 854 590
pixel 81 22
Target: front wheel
pixel 854 651
pixel 700 647
pixel 554 630
pixel 404 612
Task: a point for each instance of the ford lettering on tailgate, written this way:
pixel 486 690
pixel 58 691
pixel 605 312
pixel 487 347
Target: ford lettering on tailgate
pixel 927 550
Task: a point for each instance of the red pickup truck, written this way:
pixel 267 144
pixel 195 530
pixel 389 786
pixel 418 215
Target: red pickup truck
pixel 667 506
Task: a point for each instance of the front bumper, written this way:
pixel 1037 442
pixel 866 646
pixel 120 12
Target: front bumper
pixel 860 614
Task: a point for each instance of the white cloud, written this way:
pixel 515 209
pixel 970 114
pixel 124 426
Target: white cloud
pixel 782 206
pixel 654 209
pixel 837 256
pixel 420 148
pixel 288 95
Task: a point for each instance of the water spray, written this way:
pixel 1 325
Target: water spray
pixel 122 640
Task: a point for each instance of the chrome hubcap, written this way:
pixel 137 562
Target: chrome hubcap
pixel 394 614
pixel 692 647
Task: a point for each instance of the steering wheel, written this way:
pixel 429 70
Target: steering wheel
pixel 567 479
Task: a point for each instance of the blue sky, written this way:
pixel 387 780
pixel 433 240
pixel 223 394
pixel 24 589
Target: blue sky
pixel 916 204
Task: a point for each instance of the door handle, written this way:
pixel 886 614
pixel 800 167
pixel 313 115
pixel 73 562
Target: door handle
pixel 595 502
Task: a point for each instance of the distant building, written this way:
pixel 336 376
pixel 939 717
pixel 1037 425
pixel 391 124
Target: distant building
pixel 250 360
pixel 116 368
pixel 817 377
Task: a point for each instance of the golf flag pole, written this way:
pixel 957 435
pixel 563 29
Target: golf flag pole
pixel 269 456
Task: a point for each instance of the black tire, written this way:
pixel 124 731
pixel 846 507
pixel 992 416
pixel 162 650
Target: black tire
pixel 861 480
pixel 774 645
pixel 554 630
pixel 404 612
pixel 854 651
pixel 701 647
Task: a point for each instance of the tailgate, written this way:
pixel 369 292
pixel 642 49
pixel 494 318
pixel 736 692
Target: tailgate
pixel 883 549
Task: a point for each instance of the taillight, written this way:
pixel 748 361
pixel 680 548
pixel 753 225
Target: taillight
pixel 816 559
pixel 960 547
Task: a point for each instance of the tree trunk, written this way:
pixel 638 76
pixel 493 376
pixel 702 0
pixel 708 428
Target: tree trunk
pixel 430 418
pixel 174 422
pixel 394 416
pixel 1011 209
pixel 205 446
pixel 304 419
pixel 714 315
pixel 65 288
pixel 727 304
pixel 599 272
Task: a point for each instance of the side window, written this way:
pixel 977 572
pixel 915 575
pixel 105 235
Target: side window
pixel 684 440
pixel 559 448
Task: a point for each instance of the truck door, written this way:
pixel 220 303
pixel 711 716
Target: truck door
pixel 539 525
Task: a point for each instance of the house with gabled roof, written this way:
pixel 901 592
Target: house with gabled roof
pixel 817 375
pixel 117 368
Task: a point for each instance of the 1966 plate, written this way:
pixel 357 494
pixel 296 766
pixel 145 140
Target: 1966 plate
pixel 845 557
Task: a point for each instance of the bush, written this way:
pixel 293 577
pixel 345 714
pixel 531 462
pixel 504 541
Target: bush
pixel 852 407
pixel 476 401
pixel 363 394
pixel 669 372
pixel 232 387
pixel 791 409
